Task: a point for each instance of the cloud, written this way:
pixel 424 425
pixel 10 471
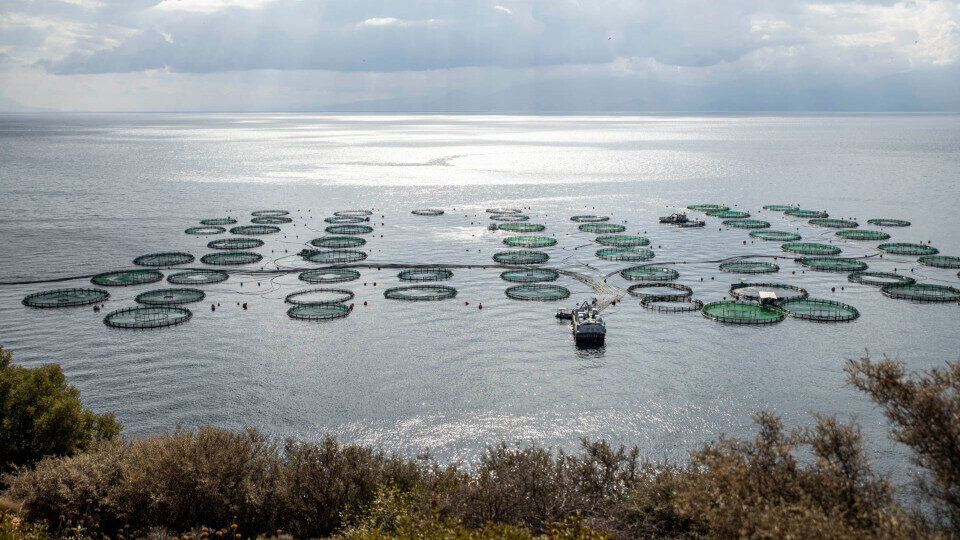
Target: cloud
pixel 508 11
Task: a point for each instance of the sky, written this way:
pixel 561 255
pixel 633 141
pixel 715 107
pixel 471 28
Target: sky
pixel 479 56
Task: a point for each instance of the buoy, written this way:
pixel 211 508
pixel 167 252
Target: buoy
pixel 364 302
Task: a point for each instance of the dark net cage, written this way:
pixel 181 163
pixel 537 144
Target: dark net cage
pixel 522 227
pixel 808 214
pixel 940 261
pixel 269 213
pixel 671 303
pixel 601 228
pixel 144 317
pixel 319 296
pixel 834 223
pixel 425 274
pixel 728 311
pixel 205 230
pixel 862 234
pixel 749 267
pixel 337 242
pixel 530 241
pixel 231 258
pixel 66 298
pixel 255 229
pixel 879 279
pixel 746 223
pixel 123 278
pixel 810 248
pixel 906 248
pixel 198 277
pixel 530 275
pixel 420 292
pixel 429 212
pixel 318 312
pixel 589 218
pixel 833 264
pixel 353 213
pixel 780 207
pixel 649 273
pixel 271 220
pixel 170 258
pixel 621 240
pixel 887 222
pixel 753 291
pixel 502 210
pixel 815 309
pixel 349 228
pixel 921 292
pixel 735 214
pixel 335 256
pixel 775 236
pixel 235 243
pixel 643 290
pixel 708 207
pixel 218 221
pixel 336 220
pixel 329 275
pixel 509 217
pixel 521 256
pixel 537 291
pixel 626 253
pixel 170 297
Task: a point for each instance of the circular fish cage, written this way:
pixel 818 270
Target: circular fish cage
pixel 521 256
pixel 589 218
pixel 427 212
pixel 671 303
pixel 218 221
pixel 940 261
pixel 125 278
pixel 502 210
pixel 800 213
pixel 255 229
pixel 271 220
pixel 231 258
pixel 602 228
pixel 862 234
pixel 815 309
pixel 649 273
pixel 730 214
pixel 521 227
pixel 198 277
pixel 776 236
pixel 318 312
pixel 626 253
pixel 644 290
pixel 205 230
pixel 420 292
pixel 509 217
pixel 235 243
pixel 810 248
pixel 170 297
pixel 337 220
pixel 537 291
pixel 749 267
pixel 337 242
pixel 159 260
pixel 621 240
pixel 530 241
pixel 269 213
pixel 66 298
pixel 336 256
pixel 880 279
pixel 780 207
pixel 833 264
pixel 834 223
pixel 906 248
pixel 319 296
pixel 425 274
pixel 886 222
pixel 329 275
pixel 353 213
pixel 921 292
pixel 707 207
pixel 144 317
pixel 529 275
pixel 728 311
pixel 349 229
pixel 746 223
pixel 752 291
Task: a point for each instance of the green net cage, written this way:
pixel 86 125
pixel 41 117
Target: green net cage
pixel 353 213
pixel 708 207
pixel 430 212
pixel 205 230
pixel 336 256
pixel 529 275
pixel 906 248
pixel 318 312
pixel 349 229
pixel 502 210
pixel 649 273
pixel 235 243
pixel 780 207
pixel 801 213
pixel 170 297
pixel 509 217
pixel 749 267
pixel 940 261
pixel 144 317
pixel 602 228
pixel 886 222
pixel 319 296
pixel 776 236
pixel 810 248
pixel 862 234
pixel 269 213
pixel 625 253
pixel 270 220
pixel 530 241
pixel 643 290
pixel 746 223
pixel 198 277
pixel 254 230
pixel 420 292
pixel 815 309
pixel 879 279
pixel 671 303
pixel 425 274
pixel 833 264
pixel 733 214
pixel 170 258
pixel 521 256
pixel 337 220
pixel 621 240
pixel 589 218
pixel 753 291
pixel 522 227
pixel 231 258
pixel 728 311
pixel 921 292
pixel 337 242
pixel 123 278
pixel 218 221
pixel 834 223
pixel 329 275
pixel 66 298
pixel 537 291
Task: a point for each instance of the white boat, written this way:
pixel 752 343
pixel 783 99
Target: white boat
pixel 587 325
